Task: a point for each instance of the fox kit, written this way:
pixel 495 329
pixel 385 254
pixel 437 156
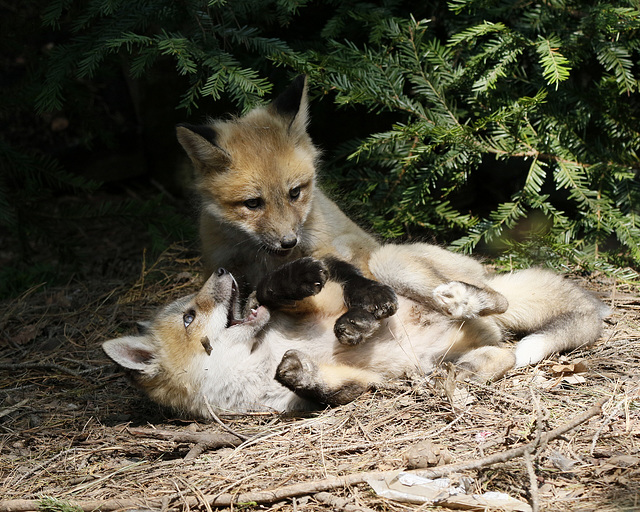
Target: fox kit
pixel 262 208
pixel 200 352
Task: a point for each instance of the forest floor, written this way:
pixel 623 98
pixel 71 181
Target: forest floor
pixel 74 433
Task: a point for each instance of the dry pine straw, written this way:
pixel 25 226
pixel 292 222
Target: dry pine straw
pixel 68 417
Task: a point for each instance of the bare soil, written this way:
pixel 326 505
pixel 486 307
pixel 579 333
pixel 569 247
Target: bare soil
pixel 73 432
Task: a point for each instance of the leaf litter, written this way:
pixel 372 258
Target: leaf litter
pixel 73 432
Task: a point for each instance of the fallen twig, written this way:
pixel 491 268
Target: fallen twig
pixel 202 440
pixel 528 455
pixel 40 366
pixel 533 483
pixel 219 421
pixel 12 408
pixel 304 488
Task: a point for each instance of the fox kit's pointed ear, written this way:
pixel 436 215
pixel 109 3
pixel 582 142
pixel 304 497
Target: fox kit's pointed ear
pixel 293 104
pixel 133 353
pixel 200 144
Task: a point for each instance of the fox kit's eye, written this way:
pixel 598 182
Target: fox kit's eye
pixel 188 317
pixel 253 203
pixel 294 193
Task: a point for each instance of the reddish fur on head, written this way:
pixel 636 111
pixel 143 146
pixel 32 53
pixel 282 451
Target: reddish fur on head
pixel 257 172
pixel 186 342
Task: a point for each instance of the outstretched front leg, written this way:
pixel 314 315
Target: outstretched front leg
pixel 367 301
pixel 327 384
pixel 453 284
pixel 292 282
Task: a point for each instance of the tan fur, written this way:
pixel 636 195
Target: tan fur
pixel 336 375
pixel 235 369
pixel 267 154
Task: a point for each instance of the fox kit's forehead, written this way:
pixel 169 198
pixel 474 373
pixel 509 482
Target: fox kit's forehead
pixel 264 158
pixel 258 130
pixel 176 309
pixel 262 137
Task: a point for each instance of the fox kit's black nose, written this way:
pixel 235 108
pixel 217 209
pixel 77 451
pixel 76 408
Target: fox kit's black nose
pixel 222 271
pixel 288 242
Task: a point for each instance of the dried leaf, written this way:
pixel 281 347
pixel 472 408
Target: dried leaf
pixel 426 454
pixel 565 369
pixel 560 461
pixel 574 379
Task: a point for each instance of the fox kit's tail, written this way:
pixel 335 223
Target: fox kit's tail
pixel 555 314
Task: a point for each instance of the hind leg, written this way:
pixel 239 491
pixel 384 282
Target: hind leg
pixel 447 282
pixel 553 313
pixel 328 384
pixel 485 364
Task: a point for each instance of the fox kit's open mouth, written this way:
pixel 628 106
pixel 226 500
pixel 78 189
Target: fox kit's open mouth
pixel 235 315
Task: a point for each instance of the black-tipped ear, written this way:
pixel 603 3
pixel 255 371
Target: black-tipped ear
pixel 199 141
pixel 205 131
pixel 288 103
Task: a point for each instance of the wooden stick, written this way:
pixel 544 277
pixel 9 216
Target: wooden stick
pixel 219 421
pixel 215 439
pixel 533 482
pixel 203 440
pixel 313 487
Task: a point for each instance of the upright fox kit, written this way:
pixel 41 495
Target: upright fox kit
pixel 256 177
pixel 261 208
pixel 200 352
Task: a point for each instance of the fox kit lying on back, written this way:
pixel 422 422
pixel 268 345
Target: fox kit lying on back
pixel 200 352
pixel 256 177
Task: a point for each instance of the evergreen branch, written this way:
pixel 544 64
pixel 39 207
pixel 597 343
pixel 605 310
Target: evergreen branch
pixel 616 58
pixel 555 66
pixel 535 178
pixel 473 33
pixel 425 84
pixel 53 12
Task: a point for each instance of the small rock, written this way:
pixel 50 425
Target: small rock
pixel 426 454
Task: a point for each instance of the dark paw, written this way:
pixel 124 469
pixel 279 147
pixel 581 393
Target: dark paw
pixel 355 326
pixel 376 298
pixel 294 371
pixel 292 282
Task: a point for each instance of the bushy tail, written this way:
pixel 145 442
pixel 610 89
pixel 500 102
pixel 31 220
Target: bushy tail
pixel 552 313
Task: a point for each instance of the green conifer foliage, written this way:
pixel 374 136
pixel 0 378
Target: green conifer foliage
pixel 541 96
pixel 212 44
pixel 512 126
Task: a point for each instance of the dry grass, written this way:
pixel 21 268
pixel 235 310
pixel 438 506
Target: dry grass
pixel 67 417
